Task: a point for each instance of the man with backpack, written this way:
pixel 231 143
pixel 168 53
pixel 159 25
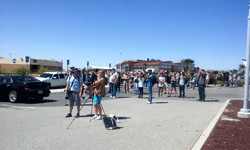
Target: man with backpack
pixel 74 91
pixel 151 80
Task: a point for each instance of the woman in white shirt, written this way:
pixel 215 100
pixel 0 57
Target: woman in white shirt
pixel 161 80
pixel 140 85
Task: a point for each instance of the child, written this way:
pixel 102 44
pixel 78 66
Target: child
pixel 140 85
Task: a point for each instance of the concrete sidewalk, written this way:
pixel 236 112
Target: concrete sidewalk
pixel 165 124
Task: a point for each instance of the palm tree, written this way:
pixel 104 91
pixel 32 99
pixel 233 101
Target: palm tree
pixel 242 66
pixel 187 62
pixel 144 65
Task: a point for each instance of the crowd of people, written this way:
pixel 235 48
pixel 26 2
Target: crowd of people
pixel 80 84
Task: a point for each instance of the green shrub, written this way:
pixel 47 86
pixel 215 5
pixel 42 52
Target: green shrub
pixel 2 71
pixel 20 71
pixel 41 70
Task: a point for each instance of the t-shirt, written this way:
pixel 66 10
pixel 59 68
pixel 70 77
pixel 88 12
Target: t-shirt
pixel 150 80
pixel 207 77
pixel 75 86
pixel 161 84
pixel 140 82
pixel 202 79
pixel 113 77
pixel 182 80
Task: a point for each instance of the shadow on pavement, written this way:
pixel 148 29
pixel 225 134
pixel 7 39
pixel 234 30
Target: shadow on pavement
pixel 123 118
pixel 212 101
pixel 160 102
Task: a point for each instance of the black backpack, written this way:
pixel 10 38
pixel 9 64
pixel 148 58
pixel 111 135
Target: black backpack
pixel 154 81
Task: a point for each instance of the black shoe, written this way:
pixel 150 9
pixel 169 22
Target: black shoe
pixel 68 115
pixel 179 96
pixel 198 100
pixel 183 96
pixel 77 115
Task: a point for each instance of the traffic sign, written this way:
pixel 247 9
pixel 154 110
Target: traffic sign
pixel 109 65
pixel 14 60
pixel 87 63
pixel 27 58
pixel 67 61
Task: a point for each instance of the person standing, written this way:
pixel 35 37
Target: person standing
pixel 182 85
pixel 149 78
pixel 112 82
pixel 140 85
pixel 207 78
pixel 118 82
pixel 125 78
pixel 201 85
pixel 173 85
pixel 98 94
pixel 161 83
pixel 74 91
pixel 235 76
pixel 230 77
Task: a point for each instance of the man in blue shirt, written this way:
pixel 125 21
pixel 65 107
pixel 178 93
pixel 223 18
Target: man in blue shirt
pixel 149 78
pixel 74 86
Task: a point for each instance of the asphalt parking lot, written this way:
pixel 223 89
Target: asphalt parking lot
pixel 168 123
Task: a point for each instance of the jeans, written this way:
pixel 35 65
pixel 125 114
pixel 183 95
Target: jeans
pixel 201 88
pixel 231 83
pixel 113 89
pixel 109 87
pixel 141 91
pixel 136 87
pixel 182 90
pixel 149 93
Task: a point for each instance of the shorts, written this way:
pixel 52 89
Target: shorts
pixel 74 97
pixel 97 99
pixel 173 84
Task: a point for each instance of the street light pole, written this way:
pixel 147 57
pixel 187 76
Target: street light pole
pixel 120 62
pixel 245 112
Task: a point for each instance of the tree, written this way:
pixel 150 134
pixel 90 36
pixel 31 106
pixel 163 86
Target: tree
pixel 242 67
pixel 187 62
pixel 41 70
pixel 145 66
pixel 20 71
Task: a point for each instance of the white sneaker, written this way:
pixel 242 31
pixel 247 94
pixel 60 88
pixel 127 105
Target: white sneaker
pixel 99 118
pixel 95 116
pixel 113 97
pixel 149 102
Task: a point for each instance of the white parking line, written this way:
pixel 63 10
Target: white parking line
pixel 20 107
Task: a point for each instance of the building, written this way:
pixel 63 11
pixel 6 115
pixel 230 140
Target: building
pixel 10 64
pixel 142 65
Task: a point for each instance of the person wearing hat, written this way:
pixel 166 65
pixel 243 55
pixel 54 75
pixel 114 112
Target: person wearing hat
pixel 201 85
pixel 149 78
pixel 74 91
pixel 70 72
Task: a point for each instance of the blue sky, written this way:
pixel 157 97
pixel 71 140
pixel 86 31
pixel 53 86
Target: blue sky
pixel 211 32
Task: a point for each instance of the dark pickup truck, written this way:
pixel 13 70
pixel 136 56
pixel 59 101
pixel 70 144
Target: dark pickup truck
pixel 18 87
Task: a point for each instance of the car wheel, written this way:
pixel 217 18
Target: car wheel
pixel 39 98
pixel 13 96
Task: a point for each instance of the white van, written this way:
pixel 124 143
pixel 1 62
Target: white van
pixel 56 79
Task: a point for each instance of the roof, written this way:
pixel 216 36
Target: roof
pixel 149 63
pixel 126 62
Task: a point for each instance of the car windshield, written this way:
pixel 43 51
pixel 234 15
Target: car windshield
pixel 25 79
pixel 46 75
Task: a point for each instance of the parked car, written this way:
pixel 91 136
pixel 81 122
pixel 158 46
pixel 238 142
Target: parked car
pixel 17 87
pixel 57 79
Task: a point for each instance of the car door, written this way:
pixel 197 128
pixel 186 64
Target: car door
pixel 2 86
pixel 62 79
pixel 55 80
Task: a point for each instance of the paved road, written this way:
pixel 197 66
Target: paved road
pixel 168 123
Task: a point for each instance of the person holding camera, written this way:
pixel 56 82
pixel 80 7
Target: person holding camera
pixel 74 91
pixel 99 91
pixel 201 85
pixel 149 78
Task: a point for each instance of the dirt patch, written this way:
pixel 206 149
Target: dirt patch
pixel 230 134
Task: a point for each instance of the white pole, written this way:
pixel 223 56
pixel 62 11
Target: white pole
pixel 245 112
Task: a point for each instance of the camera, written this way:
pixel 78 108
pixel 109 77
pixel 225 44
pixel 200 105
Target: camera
pixel 68 92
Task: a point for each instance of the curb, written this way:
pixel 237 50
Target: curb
pixel 202 139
